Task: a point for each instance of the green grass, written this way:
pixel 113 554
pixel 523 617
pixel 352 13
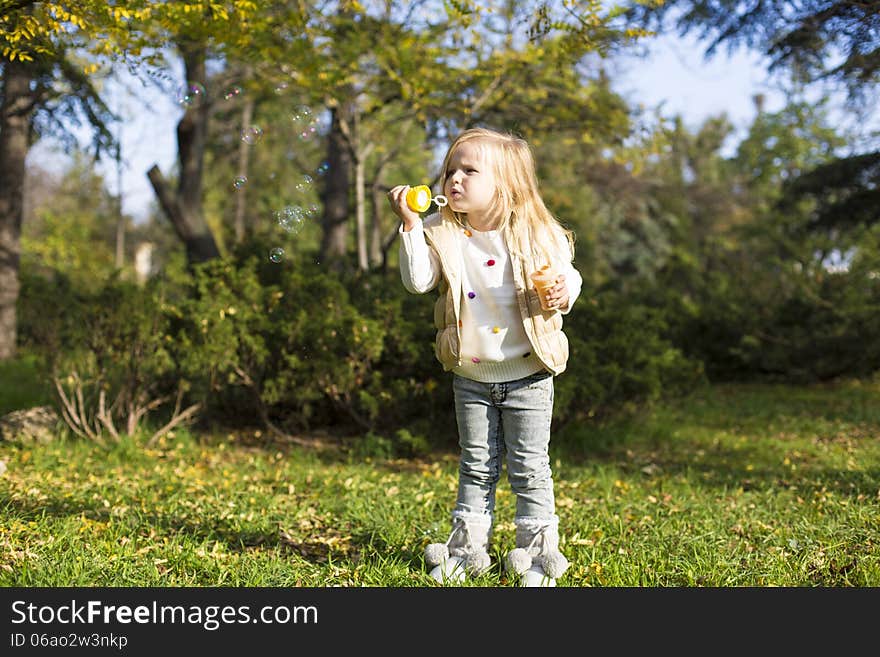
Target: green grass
pixel 740 485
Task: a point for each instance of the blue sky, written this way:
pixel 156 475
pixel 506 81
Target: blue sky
pixel 675 74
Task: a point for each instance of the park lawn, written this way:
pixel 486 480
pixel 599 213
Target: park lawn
pixel 734 485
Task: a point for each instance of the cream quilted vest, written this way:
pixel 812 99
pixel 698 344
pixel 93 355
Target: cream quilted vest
pixel 544 329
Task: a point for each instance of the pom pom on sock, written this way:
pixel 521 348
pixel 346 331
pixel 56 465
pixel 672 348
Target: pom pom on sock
pixel 554 563
pixel 519 560
pixel 478 562
pixel 436 553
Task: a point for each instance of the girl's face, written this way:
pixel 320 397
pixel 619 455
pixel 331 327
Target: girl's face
pixel 470 184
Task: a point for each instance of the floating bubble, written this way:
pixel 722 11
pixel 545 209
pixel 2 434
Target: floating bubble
pixel 239 182
pixel 313 210
pixel 280 88
pixel 276 255
pixel 191 95
pixel 304 121
pixel 303 113
pixel 252 134
pixel 323 168
pixel 291 219
pixel 304 184
pixel 232 92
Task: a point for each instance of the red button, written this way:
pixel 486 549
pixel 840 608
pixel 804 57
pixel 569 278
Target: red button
pixel 490 262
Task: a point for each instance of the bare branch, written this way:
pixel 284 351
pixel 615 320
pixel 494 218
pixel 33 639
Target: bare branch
pixel 73 411
pixel 176 419
pixel 264 413
pixel 106 418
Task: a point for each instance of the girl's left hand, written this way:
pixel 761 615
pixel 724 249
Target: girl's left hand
pixel 557 297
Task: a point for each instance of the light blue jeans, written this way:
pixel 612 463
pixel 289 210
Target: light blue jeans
pixel 512 417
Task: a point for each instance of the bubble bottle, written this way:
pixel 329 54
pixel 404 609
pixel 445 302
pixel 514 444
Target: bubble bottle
pixel 419 199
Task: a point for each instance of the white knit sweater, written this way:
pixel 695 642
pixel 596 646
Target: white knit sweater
pixel 494 345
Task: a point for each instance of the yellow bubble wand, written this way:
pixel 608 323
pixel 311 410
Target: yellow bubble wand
pixel 419 199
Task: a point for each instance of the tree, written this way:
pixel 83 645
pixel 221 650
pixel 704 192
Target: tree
pixel 199 30
pixel 817 39
pixel 71 230
pixel 49 51
pixel 429 69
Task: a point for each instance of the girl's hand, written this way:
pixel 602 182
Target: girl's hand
pixel 558 297
pixel 397 198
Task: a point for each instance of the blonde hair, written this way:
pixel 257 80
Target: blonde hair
pixel 530 228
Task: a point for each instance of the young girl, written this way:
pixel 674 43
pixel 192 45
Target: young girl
pixel 501 346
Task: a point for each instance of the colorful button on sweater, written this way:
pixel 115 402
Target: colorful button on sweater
pixel 493 339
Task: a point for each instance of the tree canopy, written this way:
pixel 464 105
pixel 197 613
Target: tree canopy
pixel 816 39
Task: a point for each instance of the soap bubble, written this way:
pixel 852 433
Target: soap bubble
pixel 291 219
pixel 323 168
pixel 239 182
pixel 232 92
pixel 280 88
pixel 252 135
pixel 276 255
pixel 190 95
pixel 303 113
pixel 304 121
pixel 304 184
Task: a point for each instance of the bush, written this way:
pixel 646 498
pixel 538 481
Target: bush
pixel 620 356
pixel 294 347
pixel 106 352
pixel 771 322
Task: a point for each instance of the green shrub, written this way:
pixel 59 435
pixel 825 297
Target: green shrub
pixel 620 356
pixel 106 351
pixel 771 322
pixel 296 347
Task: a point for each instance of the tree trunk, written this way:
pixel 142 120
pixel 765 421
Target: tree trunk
pixel 360 214
pixel 244 151
pixel 120 219
pixel 15 112
pixel 377 200
pixel 184 209
pixel 336 194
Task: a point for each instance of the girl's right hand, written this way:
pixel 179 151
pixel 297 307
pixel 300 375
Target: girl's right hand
pixel 397 198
